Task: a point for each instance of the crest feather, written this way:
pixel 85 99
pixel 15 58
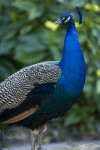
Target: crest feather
pixel 77 15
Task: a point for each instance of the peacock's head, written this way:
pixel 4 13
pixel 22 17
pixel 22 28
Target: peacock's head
pixel 65 19
pixel 68 19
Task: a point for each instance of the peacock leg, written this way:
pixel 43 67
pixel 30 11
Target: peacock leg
pixel 40 135
pixel 32 140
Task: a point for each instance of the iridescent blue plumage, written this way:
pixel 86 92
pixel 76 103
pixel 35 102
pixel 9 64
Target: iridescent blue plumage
pixel 70 85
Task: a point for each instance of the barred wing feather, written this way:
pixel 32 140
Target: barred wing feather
pixel 26 88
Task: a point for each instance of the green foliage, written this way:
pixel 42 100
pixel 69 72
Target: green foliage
pixel 25 39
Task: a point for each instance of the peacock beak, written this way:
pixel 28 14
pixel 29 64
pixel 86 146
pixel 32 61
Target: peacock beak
pixel 58 21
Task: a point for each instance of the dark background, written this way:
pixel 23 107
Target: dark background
pixel 28 36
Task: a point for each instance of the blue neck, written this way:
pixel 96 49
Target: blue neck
pixel 72 63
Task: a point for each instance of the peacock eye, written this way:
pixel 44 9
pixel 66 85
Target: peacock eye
pixel 67 19
pixel 64 18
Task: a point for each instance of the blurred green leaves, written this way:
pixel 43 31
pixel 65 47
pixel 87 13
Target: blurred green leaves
pixel 25 39
pixel 30 7
pixel 24 5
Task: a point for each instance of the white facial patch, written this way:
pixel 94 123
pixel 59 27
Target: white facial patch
pixel 63 18
pixel 67 20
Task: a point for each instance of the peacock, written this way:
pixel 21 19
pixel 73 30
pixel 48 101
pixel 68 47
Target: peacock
pixel 40 92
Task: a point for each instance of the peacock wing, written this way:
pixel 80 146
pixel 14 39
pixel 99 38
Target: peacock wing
pixel 23 92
